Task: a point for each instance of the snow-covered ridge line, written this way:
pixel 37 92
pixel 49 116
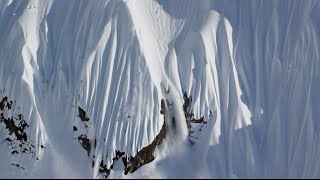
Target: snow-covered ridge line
pixel 240 79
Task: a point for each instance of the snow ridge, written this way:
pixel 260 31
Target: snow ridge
pixel 89 79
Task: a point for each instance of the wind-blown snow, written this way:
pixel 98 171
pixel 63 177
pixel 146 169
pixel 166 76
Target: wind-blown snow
pixel 251 68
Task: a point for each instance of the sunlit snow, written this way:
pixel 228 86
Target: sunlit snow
pixel 88 78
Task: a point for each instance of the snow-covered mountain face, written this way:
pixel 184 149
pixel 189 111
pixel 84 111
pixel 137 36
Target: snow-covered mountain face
pixel 168 89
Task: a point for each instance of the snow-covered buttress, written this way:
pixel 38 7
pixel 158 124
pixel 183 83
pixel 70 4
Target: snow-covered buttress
pixel 159 88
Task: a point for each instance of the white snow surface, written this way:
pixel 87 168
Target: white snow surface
pixel 251 67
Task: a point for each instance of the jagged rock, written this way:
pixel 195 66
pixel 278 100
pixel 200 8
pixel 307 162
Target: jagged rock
pixel 103 170
pixel 190 116
pixel 16 137
pixel 146 154
pixel 85 143
pixel 82 115
pixel 83 139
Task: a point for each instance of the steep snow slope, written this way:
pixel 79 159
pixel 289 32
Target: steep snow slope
pixel 199 88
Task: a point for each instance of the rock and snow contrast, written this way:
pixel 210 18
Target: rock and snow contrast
pixel 159 89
